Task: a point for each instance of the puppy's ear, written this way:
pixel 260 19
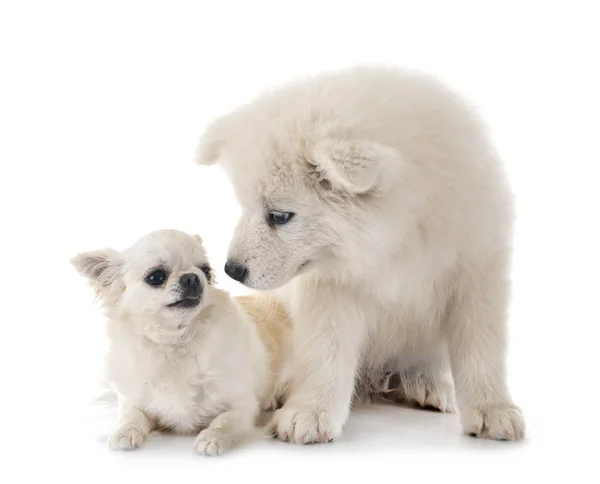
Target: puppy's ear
pixel 207 152
pixel 101 267
pixel 211 143
pixel 356 166
pixel 197 238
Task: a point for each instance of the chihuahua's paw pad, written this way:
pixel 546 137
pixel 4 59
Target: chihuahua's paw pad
pixel 499 422
pixel 126 439
pixel 212 442
pixel 302 425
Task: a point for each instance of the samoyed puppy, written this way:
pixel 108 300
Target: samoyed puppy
pixel 184 356
pixel 375 202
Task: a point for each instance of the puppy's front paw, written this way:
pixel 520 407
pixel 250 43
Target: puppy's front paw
pixel 497 422
pixel 126 439
pixel 302 425
pixel 212 442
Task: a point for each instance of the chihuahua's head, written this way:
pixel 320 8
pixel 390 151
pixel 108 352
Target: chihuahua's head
pixel 164 277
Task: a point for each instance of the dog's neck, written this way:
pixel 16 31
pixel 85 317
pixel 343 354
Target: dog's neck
pixel 161 335
pixel 164 335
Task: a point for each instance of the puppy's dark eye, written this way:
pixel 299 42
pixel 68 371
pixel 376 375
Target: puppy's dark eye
pixel 156 278
pixel 206 270
pixel 276 217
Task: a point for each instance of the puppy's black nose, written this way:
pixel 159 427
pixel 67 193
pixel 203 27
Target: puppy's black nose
pixel 190 285
pixel 236 271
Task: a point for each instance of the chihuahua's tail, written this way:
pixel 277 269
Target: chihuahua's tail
pixel 104 410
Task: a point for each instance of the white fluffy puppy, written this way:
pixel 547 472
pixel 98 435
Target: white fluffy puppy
pixel 184 355
pixel 375 200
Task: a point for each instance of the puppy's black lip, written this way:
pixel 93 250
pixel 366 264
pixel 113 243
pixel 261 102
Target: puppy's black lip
pixel 186 303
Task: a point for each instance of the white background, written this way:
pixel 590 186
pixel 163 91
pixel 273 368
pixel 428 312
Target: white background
pixel 101 104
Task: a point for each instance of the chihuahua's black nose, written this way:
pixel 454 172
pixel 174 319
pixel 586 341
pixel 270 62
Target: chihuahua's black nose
pixel 236 270
pixel 190 285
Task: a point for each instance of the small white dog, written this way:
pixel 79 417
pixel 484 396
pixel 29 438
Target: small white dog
pixel 184 356
pixel 375 200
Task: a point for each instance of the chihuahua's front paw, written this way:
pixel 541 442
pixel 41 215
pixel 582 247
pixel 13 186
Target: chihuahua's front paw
pixel 497 422
pixel 212 442
pixel 303 425
pixel 126 438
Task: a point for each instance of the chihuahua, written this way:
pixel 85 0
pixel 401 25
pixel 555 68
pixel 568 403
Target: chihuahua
pixel 184 355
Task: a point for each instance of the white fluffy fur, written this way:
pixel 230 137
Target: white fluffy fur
pixel 397 258
pixel 202 369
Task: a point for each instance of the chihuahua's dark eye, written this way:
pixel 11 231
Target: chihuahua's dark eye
pixel 206 270
pixel 279 218
pixel 156 278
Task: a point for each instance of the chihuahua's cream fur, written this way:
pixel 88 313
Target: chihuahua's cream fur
pixel 190 362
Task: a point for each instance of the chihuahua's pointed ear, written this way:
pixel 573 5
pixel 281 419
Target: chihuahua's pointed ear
pixel 101 267
pixel 356 166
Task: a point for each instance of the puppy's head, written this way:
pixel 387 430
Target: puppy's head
pixel 311 182
pixel 165 276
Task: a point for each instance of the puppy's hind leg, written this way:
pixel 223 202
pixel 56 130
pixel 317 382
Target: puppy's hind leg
pixel 428 386
pixel 278 396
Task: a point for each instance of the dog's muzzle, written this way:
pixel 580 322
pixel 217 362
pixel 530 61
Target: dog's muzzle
pixel 191 288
